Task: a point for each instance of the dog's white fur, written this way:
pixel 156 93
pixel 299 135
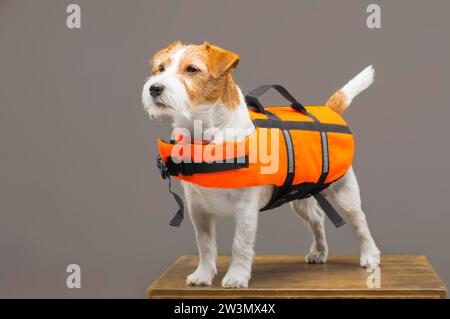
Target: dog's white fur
pixel 205 205
pixel 358 84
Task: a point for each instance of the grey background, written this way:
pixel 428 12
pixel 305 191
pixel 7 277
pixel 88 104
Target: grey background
pixel 77 176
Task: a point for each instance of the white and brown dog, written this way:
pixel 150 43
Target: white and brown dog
pixel 194 82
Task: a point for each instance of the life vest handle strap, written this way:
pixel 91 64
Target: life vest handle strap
pixel 252 97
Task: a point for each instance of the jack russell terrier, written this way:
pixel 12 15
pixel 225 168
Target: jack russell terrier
pixel 192 83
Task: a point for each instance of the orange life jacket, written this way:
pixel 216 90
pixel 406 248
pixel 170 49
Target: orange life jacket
pixel 313 144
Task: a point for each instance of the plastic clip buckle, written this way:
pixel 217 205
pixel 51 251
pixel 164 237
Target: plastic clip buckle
pixel 163 170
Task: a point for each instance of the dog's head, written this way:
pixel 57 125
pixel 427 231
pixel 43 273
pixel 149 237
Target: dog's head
pixel 186 77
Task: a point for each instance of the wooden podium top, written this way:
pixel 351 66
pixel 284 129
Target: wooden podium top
pixel 291 277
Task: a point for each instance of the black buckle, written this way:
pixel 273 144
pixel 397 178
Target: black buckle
pixel 163 170
pixel 187 168
pixel 172 168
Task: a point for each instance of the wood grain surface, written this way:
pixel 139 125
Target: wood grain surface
pixel 291 277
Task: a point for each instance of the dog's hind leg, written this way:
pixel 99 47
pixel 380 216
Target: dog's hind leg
pixel 308 210
pixel 344 195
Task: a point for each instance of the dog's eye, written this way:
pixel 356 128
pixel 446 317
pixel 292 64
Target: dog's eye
pixel 161 68
pixel 191 69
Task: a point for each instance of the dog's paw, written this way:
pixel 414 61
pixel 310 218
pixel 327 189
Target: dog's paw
pixel 316 257
pixel 200 277
pixel 370 260
pixel 234 279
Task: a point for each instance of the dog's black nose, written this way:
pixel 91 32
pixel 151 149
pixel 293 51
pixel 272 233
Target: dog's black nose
pixel 156 90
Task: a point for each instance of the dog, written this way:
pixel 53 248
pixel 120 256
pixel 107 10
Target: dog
pixel 192 83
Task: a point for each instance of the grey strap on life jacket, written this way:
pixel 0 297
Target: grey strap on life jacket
pixel 329 210
pixel 179 216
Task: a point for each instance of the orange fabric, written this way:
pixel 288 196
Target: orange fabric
pixel 307 146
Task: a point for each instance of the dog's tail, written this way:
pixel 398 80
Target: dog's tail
pixel 342 99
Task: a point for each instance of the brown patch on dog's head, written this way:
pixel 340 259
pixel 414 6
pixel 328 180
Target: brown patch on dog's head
pixel 205 71
pixel 162 59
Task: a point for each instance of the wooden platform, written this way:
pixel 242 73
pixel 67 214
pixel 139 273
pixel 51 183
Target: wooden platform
pixel 291 277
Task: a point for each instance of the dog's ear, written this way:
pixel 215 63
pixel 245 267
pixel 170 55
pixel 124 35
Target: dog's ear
pixel 220 61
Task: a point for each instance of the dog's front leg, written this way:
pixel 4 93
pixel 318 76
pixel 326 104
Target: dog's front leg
pixel 243 253
pixel 205 231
